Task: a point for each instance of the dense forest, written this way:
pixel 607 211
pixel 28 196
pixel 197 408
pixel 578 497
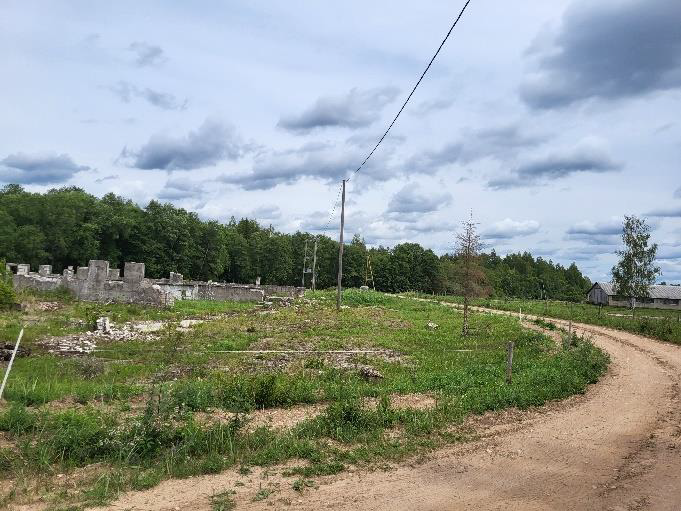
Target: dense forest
pixel 67 227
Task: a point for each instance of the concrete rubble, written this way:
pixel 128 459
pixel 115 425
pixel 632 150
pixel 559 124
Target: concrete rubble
pixel 105 330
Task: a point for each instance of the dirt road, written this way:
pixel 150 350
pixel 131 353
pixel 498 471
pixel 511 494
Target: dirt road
pixel 616 448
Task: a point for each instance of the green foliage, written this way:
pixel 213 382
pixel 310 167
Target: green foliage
pixel 656 323
pixel 67 227
pixel 7 296
pixel 354 297
pixel 222 501
pixel 636 271
pixel 196 419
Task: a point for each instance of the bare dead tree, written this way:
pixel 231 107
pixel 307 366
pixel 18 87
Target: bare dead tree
pixel 471 277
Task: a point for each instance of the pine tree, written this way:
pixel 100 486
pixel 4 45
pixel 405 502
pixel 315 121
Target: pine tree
pixel 470 275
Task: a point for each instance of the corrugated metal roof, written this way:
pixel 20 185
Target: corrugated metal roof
pixel 656 291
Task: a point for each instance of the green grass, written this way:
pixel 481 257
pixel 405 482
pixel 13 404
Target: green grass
pixel 134 408
pixel 662 324
pixel 222 502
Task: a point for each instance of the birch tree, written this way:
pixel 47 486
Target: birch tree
pixel 636 270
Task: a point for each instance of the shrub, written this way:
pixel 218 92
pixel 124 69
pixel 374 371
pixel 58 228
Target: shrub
pixel 7 296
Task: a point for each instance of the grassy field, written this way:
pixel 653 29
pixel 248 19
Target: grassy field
pixel 172 399
pixel 657 323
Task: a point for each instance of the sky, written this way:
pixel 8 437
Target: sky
pixel 548 121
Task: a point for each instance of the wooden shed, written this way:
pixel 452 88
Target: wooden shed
pixel 659 297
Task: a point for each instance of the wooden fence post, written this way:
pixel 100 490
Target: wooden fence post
pixel 509 362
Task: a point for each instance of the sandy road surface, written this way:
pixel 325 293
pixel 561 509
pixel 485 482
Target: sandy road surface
pixel 617 448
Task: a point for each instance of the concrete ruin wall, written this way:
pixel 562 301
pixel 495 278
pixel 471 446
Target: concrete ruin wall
pixel 274 290
pixel 99 283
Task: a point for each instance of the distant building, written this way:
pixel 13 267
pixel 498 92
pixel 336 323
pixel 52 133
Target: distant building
pixel 660 297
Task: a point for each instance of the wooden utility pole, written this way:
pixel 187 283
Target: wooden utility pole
pixel 304 264
pixel 340 250
pixel 314 266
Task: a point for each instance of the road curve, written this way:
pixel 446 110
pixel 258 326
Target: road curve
pixel 616 448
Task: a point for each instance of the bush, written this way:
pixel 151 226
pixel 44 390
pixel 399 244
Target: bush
pixel 7 296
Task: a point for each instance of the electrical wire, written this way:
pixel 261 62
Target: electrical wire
pixel 451 29
pixel 406 101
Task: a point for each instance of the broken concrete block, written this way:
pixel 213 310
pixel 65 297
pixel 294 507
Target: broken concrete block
pixel 44 270
pixel 81 272
pixel 133 272
pixel 23 269
pixel 98 270
pixel 176 278
pixel 103 325
pixel 114 274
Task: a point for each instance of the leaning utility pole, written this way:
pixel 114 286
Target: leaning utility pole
pixel 304 264
pixel 340 250
pixel 314 266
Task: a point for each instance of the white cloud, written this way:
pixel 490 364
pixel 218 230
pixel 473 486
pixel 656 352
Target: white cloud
pixel 508 228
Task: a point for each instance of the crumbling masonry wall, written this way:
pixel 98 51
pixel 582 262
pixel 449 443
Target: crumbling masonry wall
pixel 99 283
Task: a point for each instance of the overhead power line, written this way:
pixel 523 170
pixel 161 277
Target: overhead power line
pixel 333 210
pixel 406 101
pixel 451 29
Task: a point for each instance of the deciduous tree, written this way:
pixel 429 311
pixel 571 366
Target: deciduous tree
pixel 636 270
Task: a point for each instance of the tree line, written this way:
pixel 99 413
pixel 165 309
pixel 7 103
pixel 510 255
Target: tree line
pixel 68 227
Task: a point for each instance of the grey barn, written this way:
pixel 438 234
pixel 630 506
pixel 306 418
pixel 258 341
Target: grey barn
pixel 659 297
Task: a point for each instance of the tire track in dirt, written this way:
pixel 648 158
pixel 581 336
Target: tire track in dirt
pixel 616 448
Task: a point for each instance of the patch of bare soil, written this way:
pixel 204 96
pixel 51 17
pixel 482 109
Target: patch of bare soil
pixel 405 401
pixel 287 418
pixel 616 448
pixel 5 442
pixel 275 418
pixel 277 356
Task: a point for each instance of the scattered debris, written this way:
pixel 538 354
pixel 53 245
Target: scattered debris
pixel 71 345
pixel 432 325
pixel 103 325
pixel 146 326
pixel 47 306
pixel 106 330
pixel 186 324
pixel 369 373
pixel 6 350
pixel 283 301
